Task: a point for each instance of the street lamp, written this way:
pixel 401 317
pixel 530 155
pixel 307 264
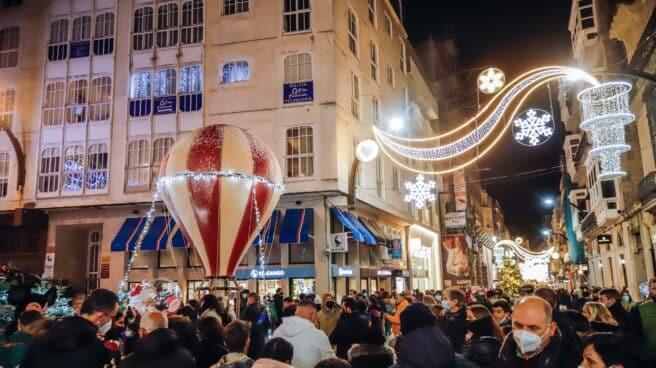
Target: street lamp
pixel 548 201
pixel 546 232
pixel 366 151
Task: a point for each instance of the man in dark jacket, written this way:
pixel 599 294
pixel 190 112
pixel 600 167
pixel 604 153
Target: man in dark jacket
pixel 255 314
pixel 454 322
pixel 73 341
pixel 349 329
pixel 612 299
pixel 158 346
pixel 422 344
pixel 535 340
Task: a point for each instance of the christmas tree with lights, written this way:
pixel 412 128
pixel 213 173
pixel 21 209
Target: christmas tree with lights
pixel 510 279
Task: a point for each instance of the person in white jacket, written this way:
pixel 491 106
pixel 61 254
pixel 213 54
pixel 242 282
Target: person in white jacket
pixel 311 345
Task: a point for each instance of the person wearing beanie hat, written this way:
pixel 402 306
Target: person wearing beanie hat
pixel 422 343
pixel 371 352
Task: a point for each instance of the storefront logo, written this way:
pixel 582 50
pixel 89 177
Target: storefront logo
pixel 344 272
pixel 384 273
pixel 267 273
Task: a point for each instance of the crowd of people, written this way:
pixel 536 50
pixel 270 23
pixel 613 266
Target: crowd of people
pixel 542 327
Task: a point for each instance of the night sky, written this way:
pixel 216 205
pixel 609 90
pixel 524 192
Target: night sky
pixel 515 36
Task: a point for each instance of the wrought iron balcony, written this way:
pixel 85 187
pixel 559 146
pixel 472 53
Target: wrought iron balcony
pixel 647 188
pixel 589 222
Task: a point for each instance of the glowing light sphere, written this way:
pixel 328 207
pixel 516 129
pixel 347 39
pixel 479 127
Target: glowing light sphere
pixel 420 191
pixel 367 150
pixel 533 127
pixel 491 80
pixel 605 111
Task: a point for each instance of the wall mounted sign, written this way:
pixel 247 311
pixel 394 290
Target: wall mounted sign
pixel 298 92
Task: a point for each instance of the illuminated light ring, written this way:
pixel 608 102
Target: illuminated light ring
pixel 567 72
pixel 481 154
pixel 469 141
pixel 524 253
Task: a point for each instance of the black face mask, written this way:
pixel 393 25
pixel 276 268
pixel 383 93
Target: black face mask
pixel 330 304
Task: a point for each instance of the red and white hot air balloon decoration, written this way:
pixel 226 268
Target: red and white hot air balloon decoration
pixel 220 184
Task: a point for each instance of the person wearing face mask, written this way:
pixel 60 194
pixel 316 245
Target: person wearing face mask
pixel 454 322
pixel 643 323
pixel 602 350
pixel 329 314
pixel 73 341
pixel 535 340
pixel 613 301
pixel 502 312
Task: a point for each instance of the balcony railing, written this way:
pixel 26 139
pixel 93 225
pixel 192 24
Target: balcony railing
pixel 589 222
pixel 647 188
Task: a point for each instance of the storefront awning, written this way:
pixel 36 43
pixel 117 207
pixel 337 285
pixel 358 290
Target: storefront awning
pixel 269 229
pixel 296 226
pixel 377 232
pixel 358 231
pixel 161 230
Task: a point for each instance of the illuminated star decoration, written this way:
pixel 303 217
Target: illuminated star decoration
pixel 533 127
pixel 420 191
pixel 491 80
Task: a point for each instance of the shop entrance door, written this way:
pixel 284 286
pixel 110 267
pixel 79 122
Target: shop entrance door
pixel 77 256
pixel 93 257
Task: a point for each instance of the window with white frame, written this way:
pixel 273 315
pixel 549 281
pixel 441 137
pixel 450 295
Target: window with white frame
pixel 192 22
pixel 375 109
pixel 137 175
pixel 7 106
pixel 58 43
pixel 296 16
pixel 396 178
pixel 355 95
pixel 49 170
pixel 53 103
pixel 373 57
pixel 371 10
pixel 9 41
pixel 191 88
pixel 81 28
pixel 402 60
pixel 390 76
pixel 235 71
pixel 298 68
pixel 97 164
pixel 142 29
pixel 140 94
pixel 76 102
pixel 165 82
pixel 388 25
pixel 299 155
pixel 4 174
pixel 353 32
pixel 100 103
pixel 586 10
pixel 235 6
pixel 73 172
pixel 167 25
pixel 103 38
pixel 161 147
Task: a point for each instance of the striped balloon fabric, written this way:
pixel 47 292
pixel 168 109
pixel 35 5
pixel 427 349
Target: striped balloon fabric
pixel 217 182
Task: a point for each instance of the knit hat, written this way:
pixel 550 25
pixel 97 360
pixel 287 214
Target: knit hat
pixel 416 315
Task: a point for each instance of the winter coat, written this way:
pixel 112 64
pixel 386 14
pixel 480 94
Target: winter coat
pixel 424 347
pixel 185 332
pixel 481 352
pixel 234 360
pixel 454 325
pixel 371 356
pixel 211 313
pixel 14 349
pixel 208 354
pixel 71 342
pixel 621 315
pixel 327 319
pixel 555 355
pixel 159 348
pixel 395 320
pixel 347 332
pixel 596 326
pixel 270 363
pixel 256 315
pixel 310 344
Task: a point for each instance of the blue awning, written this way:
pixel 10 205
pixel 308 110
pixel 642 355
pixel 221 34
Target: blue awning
pixel 358 231
pixel 296 226
pixel 152 239
pixel 161 230
pixel 269 229
pixel 125 234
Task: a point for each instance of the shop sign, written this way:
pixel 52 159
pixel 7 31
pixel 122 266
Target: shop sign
pixel 164 105
pixel 460 190
pixel 275 273
pixel 455 220
pixel 104 267
pixel 343 271
pixel 401 273
pixel 49 267
pixel 604 239
pixel 396 250
pixel 338 243
pixel 384 273
pixel 298 92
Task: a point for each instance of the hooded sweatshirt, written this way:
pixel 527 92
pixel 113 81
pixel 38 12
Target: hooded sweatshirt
pixel 310 344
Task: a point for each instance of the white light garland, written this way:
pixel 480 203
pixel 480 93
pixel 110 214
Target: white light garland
pixel 533 127
pixel 212 175
pixel 420 191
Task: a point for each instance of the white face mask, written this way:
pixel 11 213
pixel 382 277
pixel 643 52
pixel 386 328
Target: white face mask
pixel 527 341
pixel 103 329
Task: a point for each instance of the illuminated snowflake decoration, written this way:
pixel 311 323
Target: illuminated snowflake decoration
pixel 491 80
pixel 420 191
pixel 533 127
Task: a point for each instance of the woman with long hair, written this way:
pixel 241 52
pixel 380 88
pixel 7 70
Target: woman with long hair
pixel 601 320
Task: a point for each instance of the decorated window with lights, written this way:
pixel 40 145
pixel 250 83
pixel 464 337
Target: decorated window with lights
pixel 103 38
pixel 235 71
pixel 235 6
pixel 76 101
pixel 58 43
pixel 81 36
pixel 191 88
pixel 373 57
pixel 299 154
pixel 137 173
pixel 296 16
pixel 165 82
pixel 353 33
pixel 53 104
pixel 140 94
pixel 4 173
pixel 100 105
pixel 161 147
pixel 298 68
pixel 192 22
pixel 7 106
pixel 9 41
pixel 167 25
pixel 73 172
pixel 142 29
pixel 49 170
pixel 97 165
pixel 355 96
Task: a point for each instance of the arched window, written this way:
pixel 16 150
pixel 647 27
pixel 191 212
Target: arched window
pixel 9 41
pixel 58 43
pixel 97 164
pixel 192 22
pixel 100 105
pixel 137 173
pixel 76 102
pixel 49 170
pixel 81 36
pixel 53 104
pixel 161 147
pixel 103 39
pixel 142 30
pixel 73 168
